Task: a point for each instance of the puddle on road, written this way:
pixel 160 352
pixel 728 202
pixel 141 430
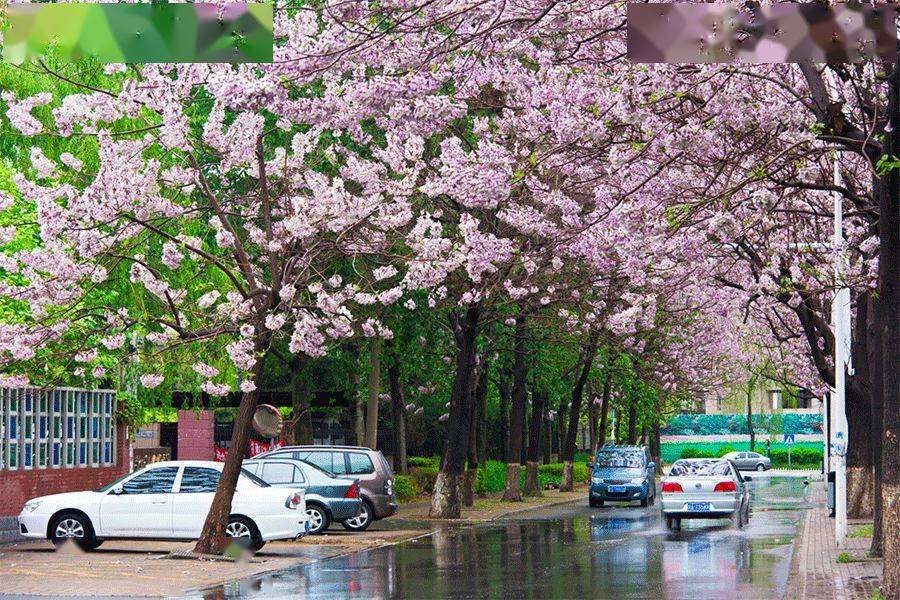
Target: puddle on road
pixel 571 552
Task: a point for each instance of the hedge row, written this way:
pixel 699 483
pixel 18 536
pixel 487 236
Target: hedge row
pixel 491 477
pixel 799 456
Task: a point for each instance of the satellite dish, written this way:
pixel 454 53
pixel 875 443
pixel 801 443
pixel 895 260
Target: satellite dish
pixel 267 421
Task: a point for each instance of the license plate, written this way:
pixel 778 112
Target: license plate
pixel 698 506
pixel 616 489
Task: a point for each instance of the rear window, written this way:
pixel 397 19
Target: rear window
pixel 627 460
pixel 360 464
pixel 700 468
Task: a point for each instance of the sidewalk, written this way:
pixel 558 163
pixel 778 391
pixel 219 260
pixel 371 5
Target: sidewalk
pixel 815 572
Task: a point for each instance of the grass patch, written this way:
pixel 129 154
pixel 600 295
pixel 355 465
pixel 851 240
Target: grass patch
pixel 877 595
pixel 848 557
pixel 862 531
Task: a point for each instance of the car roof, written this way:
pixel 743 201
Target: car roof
pixel 360 448
pixel 700 459
pixel 187 463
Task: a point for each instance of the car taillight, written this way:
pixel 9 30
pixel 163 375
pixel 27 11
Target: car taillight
pixel 671 487
pixel 294 500
pixel 725 486
pixel 352 491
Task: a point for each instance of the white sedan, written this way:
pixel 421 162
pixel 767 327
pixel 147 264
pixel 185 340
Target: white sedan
pixel 166 500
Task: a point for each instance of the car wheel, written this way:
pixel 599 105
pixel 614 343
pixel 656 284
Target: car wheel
pixel 593 503
pixel 244 532
pixel 72 527
pixel 361 522
pixel 737 518
pixel 760 467
pixel 670 522
pixel 645 502
pixel 318 519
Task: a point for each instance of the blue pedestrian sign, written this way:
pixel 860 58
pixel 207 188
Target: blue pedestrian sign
pixel 789 439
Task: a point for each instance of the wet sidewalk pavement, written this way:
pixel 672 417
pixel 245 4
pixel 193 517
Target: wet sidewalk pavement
pixel 568 551
pixel 816 574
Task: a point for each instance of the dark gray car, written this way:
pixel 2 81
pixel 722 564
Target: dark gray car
pixel 328 498
pixel 376 478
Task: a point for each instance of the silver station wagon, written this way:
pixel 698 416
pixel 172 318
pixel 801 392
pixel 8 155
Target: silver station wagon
pixel 704 488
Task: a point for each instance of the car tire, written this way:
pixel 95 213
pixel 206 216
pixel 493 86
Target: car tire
pixel 670 522
pixel 318 517
pixel 74 527
pixel 645 501
pixel 593 503
pixel 245 533
pixel 362 522
pixel 737 519
pixel 760 467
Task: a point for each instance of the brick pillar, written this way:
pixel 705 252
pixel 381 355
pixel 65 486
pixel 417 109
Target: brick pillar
pixel 196 435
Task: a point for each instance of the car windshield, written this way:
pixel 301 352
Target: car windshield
pixel 700 468
pixel 254 478
pixel 627 460
pixel 113 484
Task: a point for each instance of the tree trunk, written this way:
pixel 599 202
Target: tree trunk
pixel 632 423
pixel 359 407
pixel 472 453
pixel 398 416
pixel 593 425
pixel 656 446
pixel 374 384
pixel 750 386
pixel 212 536
pixel 873 347
pixel 548 439
pixel 561 415
pixel 567 452
pixel 300 403
pixel 517 414
pixel 604 411
pixel 860 472
pixel 532 479
pixel 889 295
pixel 445 501
pixel 503 391
pixel 481 394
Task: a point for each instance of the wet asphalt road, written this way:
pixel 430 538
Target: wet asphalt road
pixel 572 551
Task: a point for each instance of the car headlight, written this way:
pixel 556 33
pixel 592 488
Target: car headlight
pixel 596 480
pixel 31 506
pixel 637 480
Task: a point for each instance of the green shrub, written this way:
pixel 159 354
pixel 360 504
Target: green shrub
pixel 491 477
pixel 406 488
pixel 691 452
pixel 424 462
pixel 552 472
pixel 799 456
pixel 725 450
pixel 424 478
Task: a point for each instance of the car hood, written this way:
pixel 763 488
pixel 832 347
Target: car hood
pixel 66 498
pixel 618 473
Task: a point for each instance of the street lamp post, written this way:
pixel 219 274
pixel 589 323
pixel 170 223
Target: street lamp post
pixel 840 317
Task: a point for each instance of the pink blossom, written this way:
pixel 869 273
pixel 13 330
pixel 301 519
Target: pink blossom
pixel 150 380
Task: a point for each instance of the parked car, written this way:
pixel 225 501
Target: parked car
pixel 705 488
pixel 749 461
pixel 622 474
pixel 328 498
pixel 166 500
pixel 369 467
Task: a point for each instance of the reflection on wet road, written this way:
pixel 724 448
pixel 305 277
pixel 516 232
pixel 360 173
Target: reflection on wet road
pixel 567 552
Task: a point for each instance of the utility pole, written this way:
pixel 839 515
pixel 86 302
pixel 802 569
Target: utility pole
pixel 840 318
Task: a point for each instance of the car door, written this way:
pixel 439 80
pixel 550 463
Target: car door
pixel 740 460
pixel 193 499
pixel 140 506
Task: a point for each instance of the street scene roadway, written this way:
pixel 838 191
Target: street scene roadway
pixel 570 551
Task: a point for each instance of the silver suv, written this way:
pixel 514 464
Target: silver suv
pixel 376 478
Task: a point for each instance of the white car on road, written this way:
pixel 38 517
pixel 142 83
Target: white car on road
pixel 166 500
pixel 704 488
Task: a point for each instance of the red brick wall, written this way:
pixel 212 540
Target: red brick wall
pixel 22 485
pixel 196 435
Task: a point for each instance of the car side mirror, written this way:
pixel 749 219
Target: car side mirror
pixel 590 464
pixel 747 478
pixel 118 490
pixel 651 465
